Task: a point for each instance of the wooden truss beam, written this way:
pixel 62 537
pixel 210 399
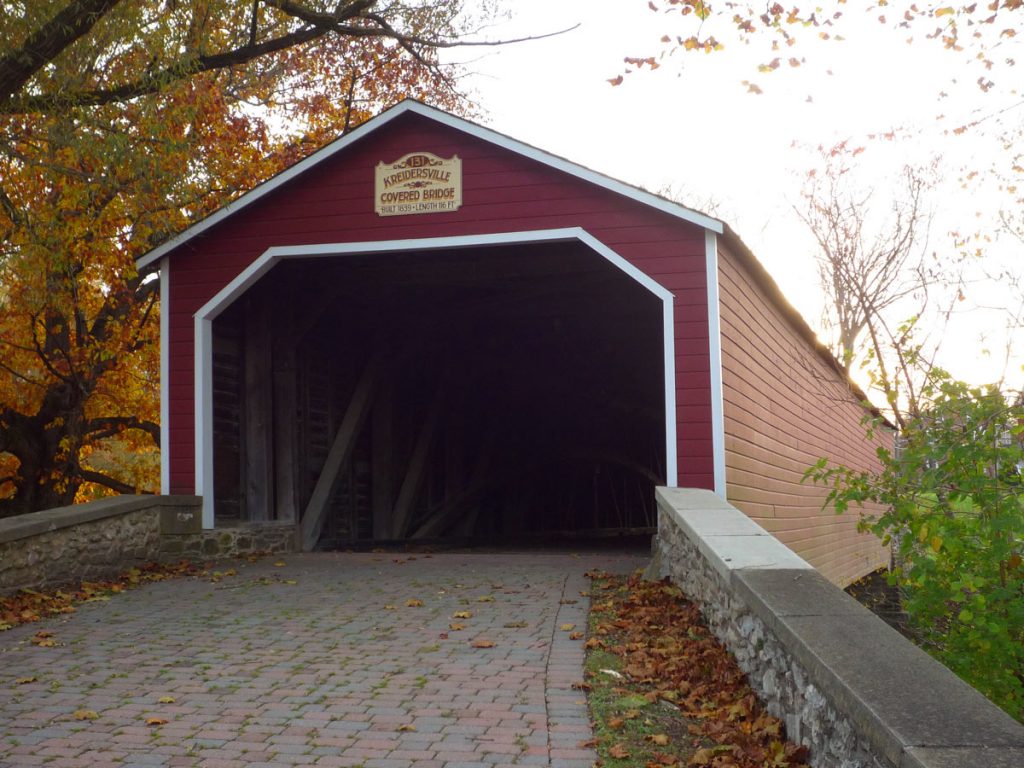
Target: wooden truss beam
pixel 417 470
pixel 341 448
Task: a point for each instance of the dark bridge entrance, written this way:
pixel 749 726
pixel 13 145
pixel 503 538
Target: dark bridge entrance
pixel 493 394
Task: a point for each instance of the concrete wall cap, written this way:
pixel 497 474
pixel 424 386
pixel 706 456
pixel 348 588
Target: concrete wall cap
pixel 729 540
pixel 35 523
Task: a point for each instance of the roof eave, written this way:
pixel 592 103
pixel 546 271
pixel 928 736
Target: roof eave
pixel 152 257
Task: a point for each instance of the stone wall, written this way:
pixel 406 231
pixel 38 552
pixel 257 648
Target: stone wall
pixel 85 541
pixel 103 538
pixel 845 683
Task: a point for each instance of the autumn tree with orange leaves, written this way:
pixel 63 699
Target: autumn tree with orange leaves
pixel 121 122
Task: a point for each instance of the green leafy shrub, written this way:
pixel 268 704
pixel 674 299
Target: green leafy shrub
pixel 955 521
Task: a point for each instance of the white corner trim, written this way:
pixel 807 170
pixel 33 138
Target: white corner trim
pixel 204 318
pixel 165 372
pixel 668 336
pixel 715 359
pixel 204 416
pixel 457 123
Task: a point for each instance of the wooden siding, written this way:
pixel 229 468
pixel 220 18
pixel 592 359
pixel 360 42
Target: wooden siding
pixel 784 408
pixel 503 192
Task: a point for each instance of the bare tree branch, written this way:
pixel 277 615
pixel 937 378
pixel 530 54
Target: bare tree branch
pixel 863 276
pixel 108 426
pixel 113 484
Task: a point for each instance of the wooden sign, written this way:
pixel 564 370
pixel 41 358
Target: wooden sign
pixel 419 182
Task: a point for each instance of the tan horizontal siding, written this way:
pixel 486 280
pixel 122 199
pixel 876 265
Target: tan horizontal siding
pixel 785 407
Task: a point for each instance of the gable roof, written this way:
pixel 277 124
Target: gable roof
pixel 457 123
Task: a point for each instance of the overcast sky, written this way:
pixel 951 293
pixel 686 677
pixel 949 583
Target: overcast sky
pixel 692 128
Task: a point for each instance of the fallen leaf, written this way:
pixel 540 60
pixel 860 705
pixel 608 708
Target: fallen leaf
pixel 661 739
pixel 702 756
pixel 280 564
pixel 456 627
pixel 443 636
pixel 631 714
pixel 618 751
pixel 485 599
pixel 155 721
pixel 86 714
pixel 290 581
pixel 575 635
pixel 407 727
pixel 567 627
pixel 588 744
pixel 582 686
pixel 412 602
pixel 462 615
pixel 25 680
pixel 166 700
pixel 615 723
pixel 516 625
pixel 481 643
pixel 568 602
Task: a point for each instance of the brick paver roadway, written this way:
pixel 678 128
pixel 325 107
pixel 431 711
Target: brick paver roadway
pixel 326 660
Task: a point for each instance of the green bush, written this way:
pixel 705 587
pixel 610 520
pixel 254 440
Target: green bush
pixel 955 520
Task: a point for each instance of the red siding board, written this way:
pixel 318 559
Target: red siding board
pixel 688 311
pixel 502 192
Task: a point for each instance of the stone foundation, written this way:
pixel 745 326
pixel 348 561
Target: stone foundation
pixel 244 539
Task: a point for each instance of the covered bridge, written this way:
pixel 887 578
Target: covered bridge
pixel 428 330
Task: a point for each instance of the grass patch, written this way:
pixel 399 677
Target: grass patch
pixel 626 724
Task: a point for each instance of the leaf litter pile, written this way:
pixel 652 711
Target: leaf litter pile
pixel 664 692
pixel 28 605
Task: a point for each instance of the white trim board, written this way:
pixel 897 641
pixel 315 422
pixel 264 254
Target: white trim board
pixel 458 124
pixel 204 318
pixel 715 360
pixel 165 372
